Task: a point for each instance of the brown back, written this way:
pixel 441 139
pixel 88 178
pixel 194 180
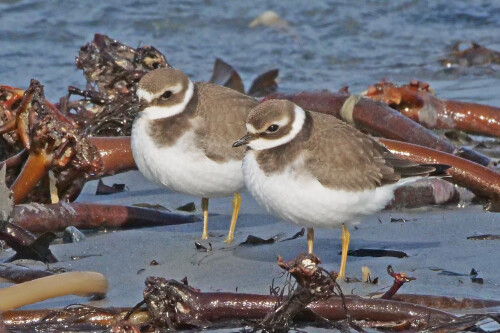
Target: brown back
pixel 339 156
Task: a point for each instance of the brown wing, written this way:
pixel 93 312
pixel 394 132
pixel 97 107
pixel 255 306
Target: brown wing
pixel 341 157
pixel 223 120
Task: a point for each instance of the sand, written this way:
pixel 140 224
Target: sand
pixel 435 240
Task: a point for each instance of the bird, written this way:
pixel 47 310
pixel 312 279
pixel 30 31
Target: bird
pixel 317 171
pixel 182 136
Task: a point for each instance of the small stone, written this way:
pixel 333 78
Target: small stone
pixel 72 235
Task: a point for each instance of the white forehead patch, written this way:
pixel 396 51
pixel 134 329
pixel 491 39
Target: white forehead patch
pixel 159 112
pixel 145 95
pixel 298 122
pixel 251 129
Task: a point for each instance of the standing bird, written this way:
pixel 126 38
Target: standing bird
pixel 317 171
pixel 182 137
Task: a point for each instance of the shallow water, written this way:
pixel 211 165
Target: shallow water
pixel 329 44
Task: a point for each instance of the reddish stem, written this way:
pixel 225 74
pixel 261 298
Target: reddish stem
pixel 482 181
pixel 34 169
pixel 41 218
pixel 116 154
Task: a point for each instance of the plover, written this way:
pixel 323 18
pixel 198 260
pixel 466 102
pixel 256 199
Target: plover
pixel 182 137
pixel 314 170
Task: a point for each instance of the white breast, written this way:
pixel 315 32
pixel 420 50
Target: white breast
pixel 183 167
pixel 301 199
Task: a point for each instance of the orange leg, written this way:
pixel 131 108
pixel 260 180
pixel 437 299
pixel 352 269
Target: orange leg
pixel 204 207
pixel 345 237
pixel 310 240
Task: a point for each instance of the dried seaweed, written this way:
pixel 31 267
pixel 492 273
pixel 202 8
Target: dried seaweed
pixel 112 70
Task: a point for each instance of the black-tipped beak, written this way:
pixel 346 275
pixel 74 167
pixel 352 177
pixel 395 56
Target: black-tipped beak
pixel 142 105
pixel 244 140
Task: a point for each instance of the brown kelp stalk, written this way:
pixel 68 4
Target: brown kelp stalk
pixel 55 217
pixel 482 181
pixel 70 283
pixel 417 101
pixel 399 280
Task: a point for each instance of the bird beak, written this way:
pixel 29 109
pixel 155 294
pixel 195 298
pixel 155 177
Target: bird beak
pixel 142 105
pixel 244 140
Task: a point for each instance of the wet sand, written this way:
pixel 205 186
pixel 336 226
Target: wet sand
pixel 435 240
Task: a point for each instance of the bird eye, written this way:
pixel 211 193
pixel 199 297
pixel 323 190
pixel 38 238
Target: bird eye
pixel 273 128
pixel 166 94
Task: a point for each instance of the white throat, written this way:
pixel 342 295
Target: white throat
pixel 159 112
pixel 262 143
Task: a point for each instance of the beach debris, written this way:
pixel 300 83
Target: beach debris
pixel 445 302
pixel 6 197
pixel 399 280
pixel 315 284
pixel 425 192
pixel 52 144
pixel 189 207
pixel 418 102
pixel 103 189
pixel 469 53
pixel 366 276
pixel 317 300
pixel 72 235
pixel 83 317
pixel 475 278
pixel 225 75
pixel 269 18
pixel 41 218
pixel 484 237
pixel 376 253
pixel 18 273
pixel 483 182
pixel 202 248
pixel 78 318
pixel 377 118
pixel 298 234
pixel 151 206
pixel 254 240
pixel 172 304
pixel 69 283
pixel 114 69
pixel 264 84
pixel 27 245
pixel 84 256
pixel 400 220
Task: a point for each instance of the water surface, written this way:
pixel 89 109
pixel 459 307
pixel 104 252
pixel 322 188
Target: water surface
pixel 330 44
